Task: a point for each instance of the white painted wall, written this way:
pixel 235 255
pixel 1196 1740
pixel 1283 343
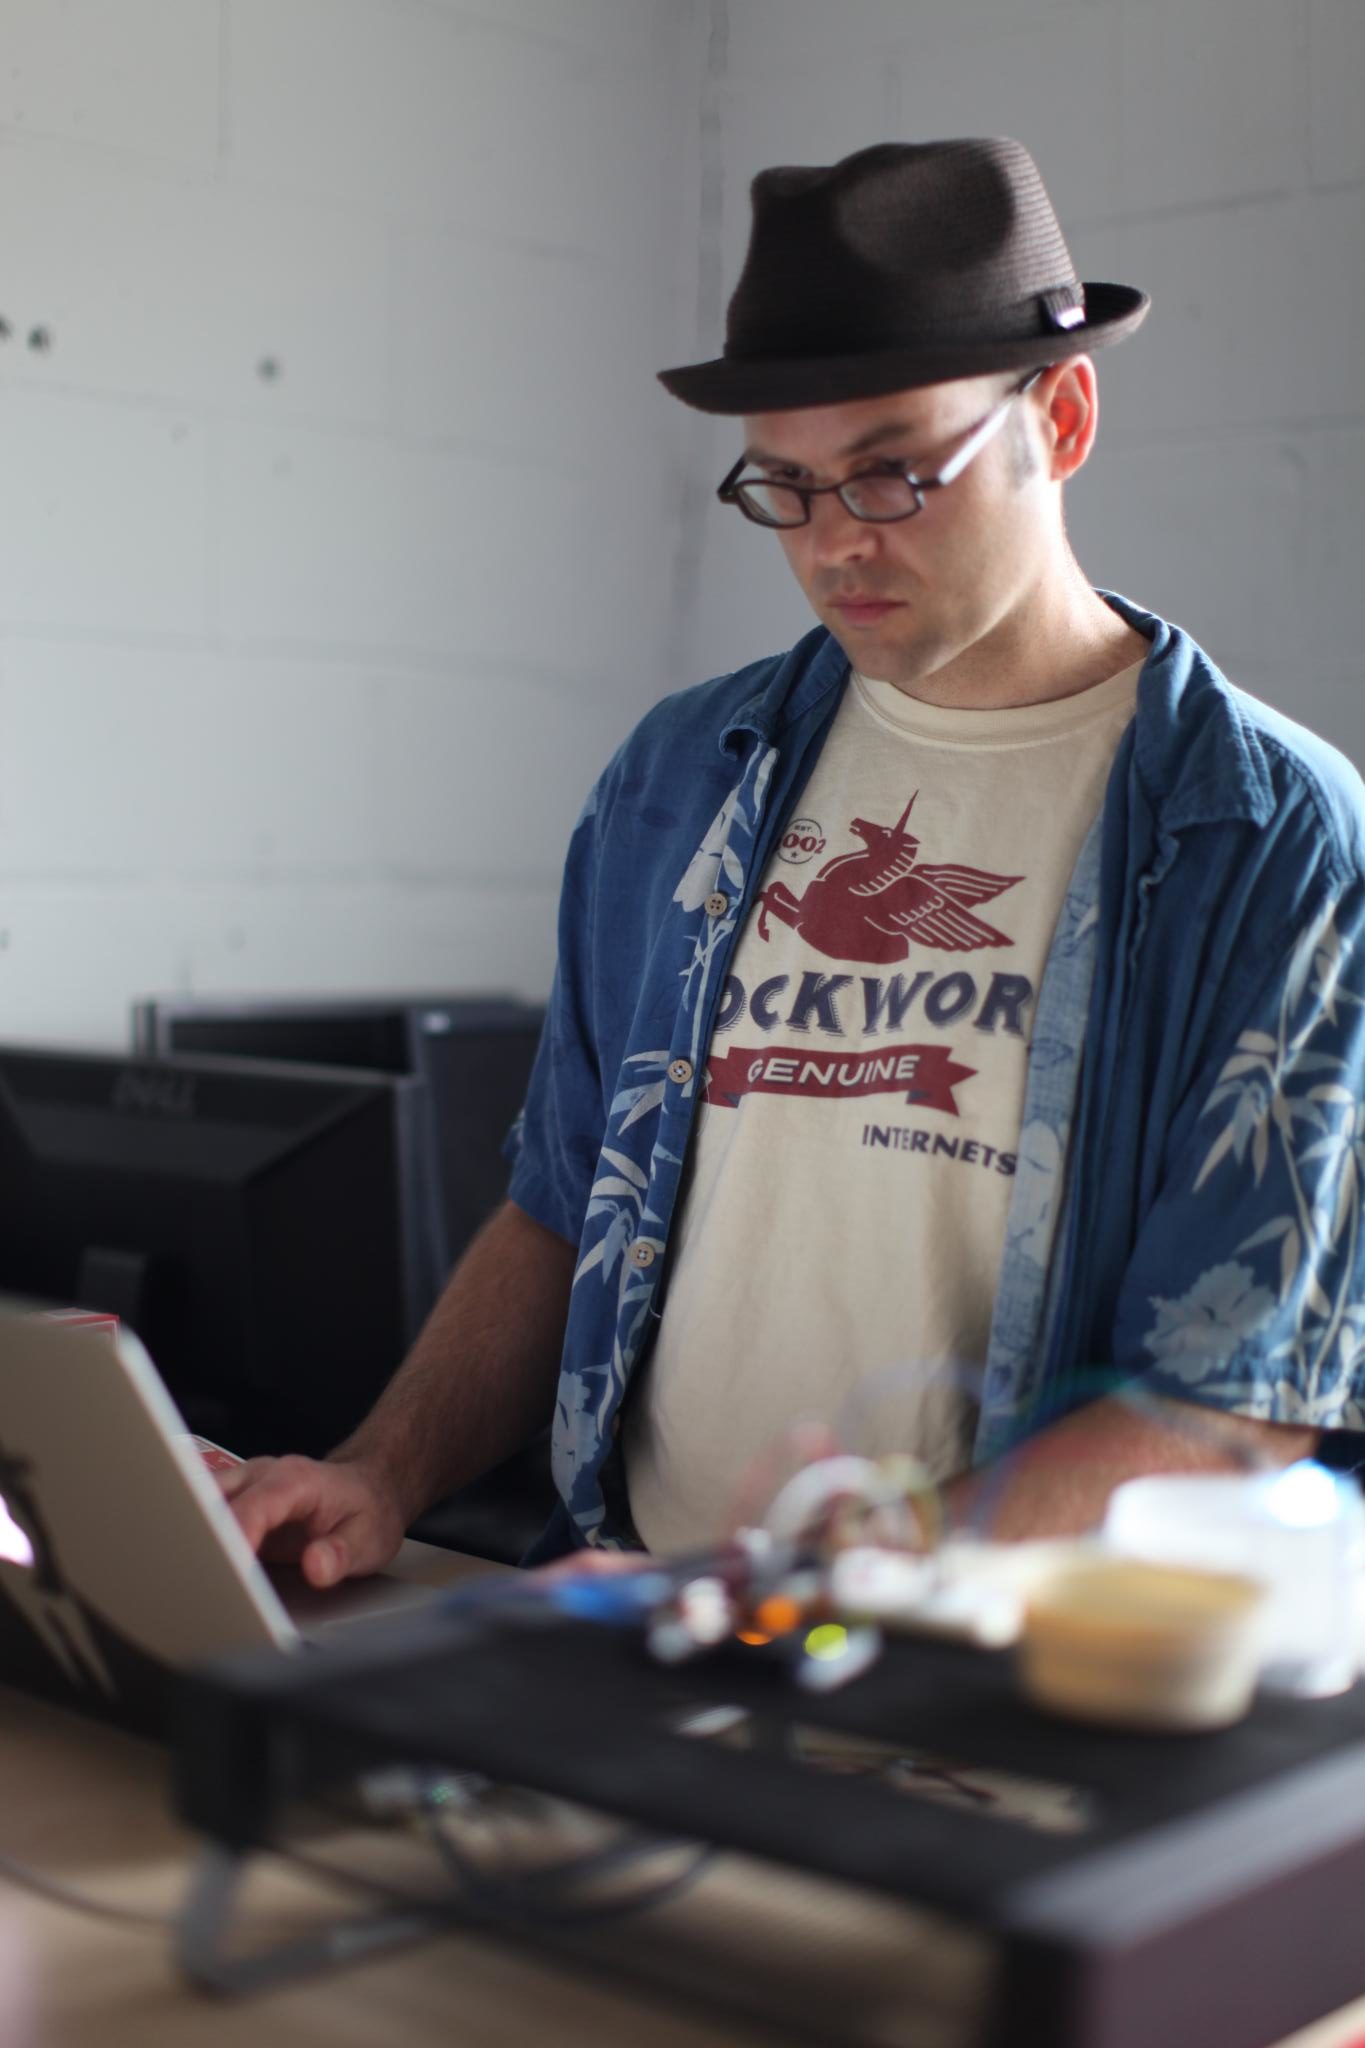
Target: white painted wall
pixel 303 675
pixel 1211 153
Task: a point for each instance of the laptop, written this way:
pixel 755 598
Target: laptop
pixel 120 1562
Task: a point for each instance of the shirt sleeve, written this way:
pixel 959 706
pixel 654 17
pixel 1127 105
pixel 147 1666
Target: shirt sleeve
pixel 1246 1289
pixel 555 1141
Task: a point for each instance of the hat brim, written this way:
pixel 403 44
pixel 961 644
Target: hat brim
pixel 738 384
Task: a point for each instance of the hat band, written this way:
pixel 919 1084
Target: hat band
pixel 1057 311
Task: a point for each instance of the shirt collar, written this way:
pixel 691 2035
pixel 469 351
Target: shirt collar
pixel 1197 754
pixel 785 690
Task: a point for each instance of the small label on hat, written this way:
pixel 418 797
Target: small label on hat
pixel 1064 308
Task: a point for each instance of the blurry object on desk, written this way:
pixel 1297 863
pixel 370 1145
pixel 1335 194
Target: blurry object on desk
pixel 1300 1531
pixel 1250 1579
pixel 1143 1646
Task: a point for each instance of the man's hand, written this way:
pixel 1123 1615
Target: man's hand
pixel 334 1521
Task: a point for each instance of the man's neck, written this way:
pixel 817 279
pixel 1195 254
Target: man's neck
pixel 1062 640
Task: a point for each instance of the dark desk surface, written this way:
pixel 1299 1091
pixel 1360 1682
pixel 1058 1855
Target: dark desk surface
pixel 1198 1887
pixel 88 1805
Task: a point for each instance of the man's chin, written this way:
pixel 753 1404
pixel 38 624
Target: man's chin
pixel 886 656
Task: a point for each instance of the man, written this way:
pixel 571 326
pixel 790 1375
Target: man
pixel 958 1026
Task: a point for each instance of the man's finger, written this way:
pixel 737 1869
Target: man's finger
pixel 352 1548
pixel 232 1478
pixel 286 1492
pixel 325 1562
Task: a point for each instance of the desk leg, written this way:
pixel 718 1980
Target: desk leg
pixel 203 1949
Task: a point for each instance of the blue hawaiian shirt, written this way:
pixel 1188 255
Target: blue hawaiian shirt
pixel 1186 1215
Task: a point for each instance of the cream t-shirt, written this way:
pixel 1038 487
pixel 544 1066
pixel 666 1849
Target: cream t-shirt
pixel 853 1155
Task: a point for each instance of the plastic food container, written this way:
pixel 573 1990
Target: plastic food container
pixel 1143 1646
pixel 1300 1531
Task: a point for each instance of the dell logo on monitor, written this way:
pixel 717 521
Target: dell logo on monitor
pixel 143 1091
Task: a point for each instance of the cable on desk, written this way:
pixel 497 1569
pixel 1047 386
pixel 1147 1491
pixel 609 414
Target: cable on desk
pixel 63 1894
pixel 523 1899
pixel 530 1896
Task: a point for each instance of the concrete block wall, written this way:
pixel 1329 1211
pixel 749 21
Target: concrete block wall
pixel 345 529
pixel 1214 154
pixel 341 506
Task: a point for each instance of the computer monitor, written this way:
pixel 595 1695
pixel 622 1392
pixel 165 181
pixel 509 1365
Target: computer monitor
pixel 258 1225
pixel 472 1054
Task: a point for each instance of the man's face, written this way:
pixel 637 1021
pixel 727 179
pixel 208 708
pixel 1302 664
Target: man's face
pixel 905 599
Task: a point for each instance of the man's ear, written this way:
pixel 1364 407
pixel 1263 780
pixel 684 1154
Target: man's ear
pixel 1067 401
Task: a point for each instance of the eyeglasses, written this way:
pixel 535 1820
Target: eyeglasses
pixel 879 495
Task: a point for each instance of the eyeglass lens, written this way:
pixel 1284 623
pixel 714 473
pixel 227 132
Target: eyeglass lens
pixel 877 496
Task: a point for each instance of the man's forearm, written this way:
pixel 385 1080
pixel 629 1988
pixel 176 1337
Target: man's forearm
pixel 480 1379
pixel 1059 1482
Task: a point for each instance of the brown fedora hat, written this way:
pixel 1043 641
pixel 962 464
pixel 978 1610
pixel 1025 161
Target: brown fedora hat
pixel 909 263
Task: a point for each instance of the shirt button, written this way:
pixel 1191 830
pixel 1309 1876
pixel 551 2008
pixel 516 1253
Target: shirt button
pixel 717 904
pixel 680 1071
pixel 642 1254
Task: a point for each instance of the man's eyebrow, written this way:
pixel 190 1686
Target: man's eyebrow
pixel 878 436
pixel 875 437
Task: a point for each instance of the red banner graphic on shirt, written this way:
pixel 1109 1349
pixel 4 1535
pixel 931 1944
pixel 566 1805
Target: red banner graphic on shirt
pixel 924 1074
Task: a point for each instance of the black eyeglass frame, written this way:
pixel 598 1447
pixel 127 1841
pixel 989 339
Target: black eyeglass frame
pixel 731 491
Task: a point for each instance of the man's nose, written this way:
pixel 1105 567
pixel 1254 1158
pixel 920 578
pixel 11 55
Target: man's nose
pixel 836 536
